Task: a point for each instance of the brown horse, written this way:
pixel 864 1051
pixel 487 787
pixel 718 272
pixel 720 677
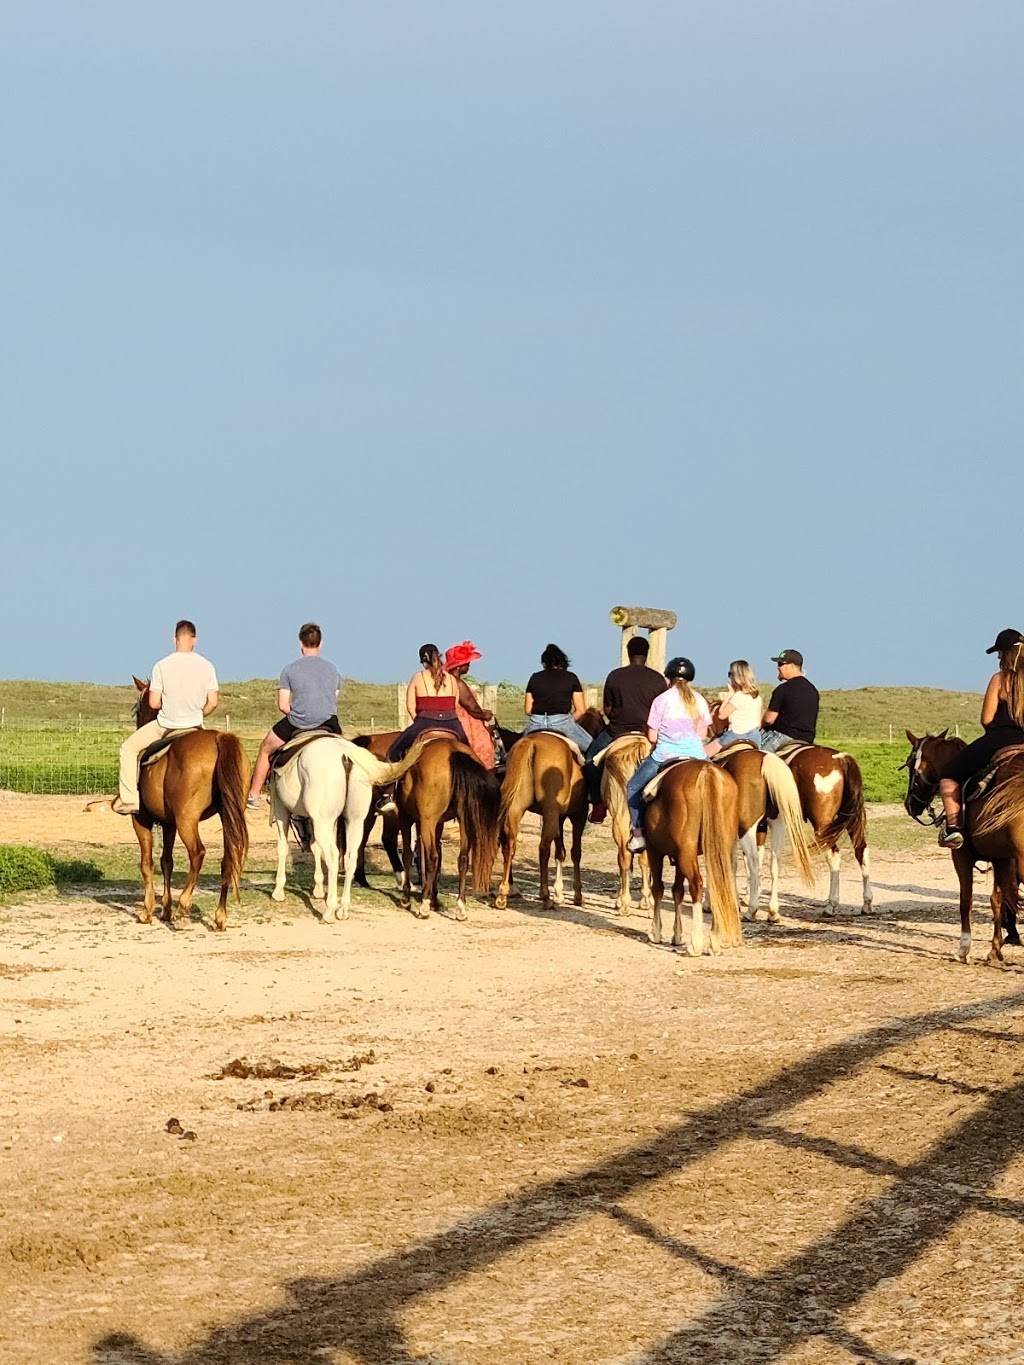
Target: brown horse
pixel 544 776
pixel 202 773
pixel 448 782
pixel 378 745
pixel 994 830
pixel 619 762
pixel 696 810
pixel 767 792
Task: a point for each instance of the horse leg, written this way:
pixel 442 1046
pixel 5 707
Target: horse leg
pixel 509 839
pixel 167 868
pixel 646 899
pixel 144 834
pixel 325 850
pixel 832 904
pixel 460 904
pixel 281 822
pixel 748 844
pixel 1011 938
pixel 558 891
pixel 656 862
pixel 189 831
pixel 405 900
pixel 435 897
pixel 863 855
pixel 963 864
pixel 428 852
pixel 389 842
pixel 576 853
pixel 1004 872
pixel 548 834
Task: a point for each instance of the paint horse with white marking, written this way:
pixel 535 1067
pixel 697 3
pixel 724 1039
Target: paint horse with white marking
pixel 330 779
pixel 832 799
pixel 993 826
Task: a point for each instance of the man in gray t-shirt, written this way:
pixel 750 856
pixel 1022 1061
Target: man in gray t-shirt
pixel 307 697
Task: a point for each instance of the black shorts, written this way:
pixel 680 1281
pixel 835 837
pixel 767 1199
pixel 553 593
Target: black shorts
pixel 981 753
pixel 285 730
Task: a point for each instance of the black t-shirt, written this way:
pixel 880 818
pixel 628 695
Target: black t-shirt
pixel 796 701
pixel 628 693
pixel 551 690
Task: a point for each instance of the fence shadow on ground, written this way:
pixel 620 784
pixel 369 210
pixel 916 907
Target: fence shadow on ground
pixel 756 1316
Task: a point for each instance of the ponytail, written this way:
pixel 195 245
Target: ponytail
pixel 430 658
pixel 689 697
pixel 1011 665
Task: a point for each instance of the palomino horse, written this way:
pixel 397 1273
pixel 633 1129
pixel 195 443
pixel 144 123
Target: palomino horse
pixel 202 773
pixel 447 782
pixel 543 776
pixel 767 791
pixel 695 810
pixel 620 761
pixel 329 778
pixel 994 830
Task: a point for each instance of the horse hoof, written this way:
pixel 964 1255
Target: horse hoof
pixel 578 900
pixel 829 912
pixel 773 917
pixel 748 916
pixel 501 902
pixel 460 910
pixel 327 917
pixel 276 895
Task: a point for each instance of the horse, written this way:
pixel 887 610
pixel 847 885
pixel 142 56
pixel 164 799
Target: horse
pixel 542 775
pixel 767 792
pixel 329 778
pixel 202 773
pixel 619 762
pixel 993 829
pixel 378 744
pixel 695 810
pixel 447 782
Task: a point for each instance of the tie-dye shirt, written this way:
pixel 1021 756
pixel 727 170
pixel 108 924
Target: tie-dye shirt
pixel 679 735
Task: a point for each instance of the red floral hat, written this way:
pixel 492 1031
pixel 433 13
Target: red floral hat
pixel 461 654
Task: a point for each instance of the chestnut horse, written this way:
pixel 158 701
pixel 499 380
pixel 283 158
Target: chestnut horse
pixel 767 792
pixel 543 775
pixel 202 773
pixel 696 810
pixel 994 830
pixel 448 782
pixel 620 761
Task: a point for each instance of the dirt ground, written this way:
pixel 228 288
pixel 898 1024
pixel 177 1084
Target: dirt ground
pixel 522 1138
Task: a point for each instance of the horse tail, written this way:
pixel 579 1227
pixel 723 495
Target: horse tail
pixel 518 771
pixel 376 769
pixel 851 816
pixel 476 798
pixel 783 791
pixel 618 769
pixel 1001 806
pixel 717 838
pixel 231 775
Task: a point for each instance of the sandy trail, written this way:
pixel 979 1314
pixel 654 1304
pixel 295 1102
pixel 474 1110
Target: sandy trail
pixel 530 1138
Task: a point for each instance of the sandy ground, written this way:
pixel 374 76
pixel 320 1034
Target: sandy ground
pixel 522 1138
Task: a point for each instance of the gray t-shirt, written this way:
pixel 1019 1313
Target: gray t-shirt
pixel 313 683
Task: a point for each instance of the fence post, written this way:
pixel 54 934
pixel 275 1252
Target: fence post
pixel 890 732
pixel 590 696
pixel 373 727
pixel 79 722
pixel 227 720
pixel 400 695
pixel 956 729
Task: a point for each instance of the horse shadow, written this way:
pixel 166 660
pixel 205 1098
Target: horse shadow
pixel 753 1316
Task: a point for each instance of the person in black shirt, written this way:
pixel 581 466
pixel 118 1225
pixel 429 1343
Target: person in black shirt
pixel 793 709
pixel 554 699
pixel 628 693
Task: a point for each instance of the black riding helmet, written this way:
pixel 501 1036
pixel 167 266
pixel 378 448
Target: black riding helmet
pixel 680 668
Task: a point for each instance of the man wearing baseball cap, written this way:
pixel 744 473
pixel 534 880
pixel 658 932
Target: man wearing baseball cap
pixel 792 712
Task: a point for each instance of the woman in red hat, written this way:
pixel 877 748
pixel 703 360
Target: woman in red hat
pixel 469 711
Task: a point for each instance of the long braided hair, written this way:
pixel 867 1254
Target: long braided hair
pixel 430 658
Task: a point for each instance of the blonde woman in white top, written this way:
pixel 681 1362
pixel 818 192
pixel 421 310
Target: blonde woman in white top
pixel 741 707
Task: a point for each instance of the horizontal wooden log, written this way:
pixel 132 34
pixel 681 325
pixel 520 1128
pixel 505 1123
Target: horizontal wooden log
pixel 646 618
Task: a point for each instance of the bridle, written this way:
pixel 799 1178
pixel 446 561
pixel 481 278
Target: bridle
pixel 920 789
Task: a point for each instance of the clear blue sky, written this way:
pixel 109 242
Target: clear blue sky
pixel 459 319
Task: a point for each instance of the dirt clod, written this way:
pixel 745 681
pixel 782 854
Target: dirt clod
pixel 173 1126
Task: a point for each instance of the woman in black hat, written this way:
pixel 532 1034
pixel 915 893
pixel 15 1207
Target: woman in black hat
pixel 1002 716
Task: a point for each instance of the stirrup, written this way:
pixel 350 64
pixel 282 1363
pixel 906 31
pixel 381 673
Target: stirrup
pixel 951 837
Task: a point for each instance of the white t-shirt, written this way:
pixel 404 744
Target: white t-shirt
pixel 746 712
pixel 183 680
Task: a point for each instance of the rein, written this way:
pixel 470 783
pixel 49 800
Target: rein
pixel 925 795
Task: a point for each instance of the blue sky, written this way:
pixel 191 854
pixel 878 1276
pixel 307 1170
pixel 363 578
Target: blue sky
pixel 440 320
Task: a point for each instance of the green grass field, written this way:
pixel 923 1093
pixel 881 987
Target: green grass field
pixel 63 737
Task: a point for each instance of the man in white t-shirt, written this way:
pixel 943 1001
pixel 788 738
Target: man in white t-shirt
pixel 183 689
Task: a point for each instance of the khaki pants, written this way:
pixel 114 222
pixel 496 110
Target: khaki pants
pixel 128 763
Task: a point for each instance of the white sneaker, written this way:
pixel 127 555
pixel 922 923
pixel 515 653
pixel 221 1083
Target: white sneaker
pixel 254 803
pixel 637 843
pixel 119 808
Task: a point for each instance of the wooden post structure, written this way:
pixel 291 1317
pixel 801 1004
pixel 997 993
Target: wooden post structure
pixel 656 622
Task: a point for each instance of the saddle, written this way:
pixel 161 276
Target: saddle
pixel 789 751
pixel 570 744
pixel 740 747
pixel 159 747
pixel 615 746
pixel 654 786
pixel 291 748
pixel 975 787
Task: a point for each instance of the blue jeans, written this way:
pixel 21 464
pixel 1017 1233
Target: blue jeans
pixel 562 725
pixel 731 737
pixel 773 740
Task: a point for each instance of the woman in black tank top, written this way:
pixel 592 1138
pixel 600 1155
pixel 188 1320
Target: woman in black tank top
pixel 1002 716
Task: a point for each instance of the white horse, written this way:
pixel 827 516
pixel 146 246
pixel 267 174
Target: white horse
pixel 328 779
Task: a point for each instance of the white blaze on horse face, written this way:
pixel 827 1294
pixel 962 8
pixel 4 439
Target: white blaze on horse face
pixel 828 782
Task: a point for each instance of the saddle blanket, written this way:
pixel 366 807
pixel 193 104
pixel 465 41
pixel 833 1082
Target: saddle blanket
pixel 789 751
pixel 570 744
pixel 654 786
pixel 291 749
pixel 730 749
pixel 159 747
pixel 616 745
pixel 976 787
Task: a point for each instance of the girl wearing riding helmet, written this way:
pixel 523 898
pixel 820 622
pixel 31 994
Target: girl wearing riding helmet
pixel 742 707
pixel 676 726
pixel 554 699
pixel 1002 716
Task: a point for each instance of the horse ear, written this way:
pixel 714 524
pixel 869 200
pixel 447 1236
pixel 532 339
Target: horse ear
pixel 912 737
pixel 140 685
pixel 944 733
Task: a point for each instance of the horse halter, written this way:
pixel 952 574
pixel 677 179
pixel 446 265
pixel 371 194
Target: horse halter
pixel 920 790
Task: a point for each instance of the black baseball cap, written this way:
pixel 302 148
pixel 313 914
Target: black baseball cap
pixel 789 656
pixel 1006 639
